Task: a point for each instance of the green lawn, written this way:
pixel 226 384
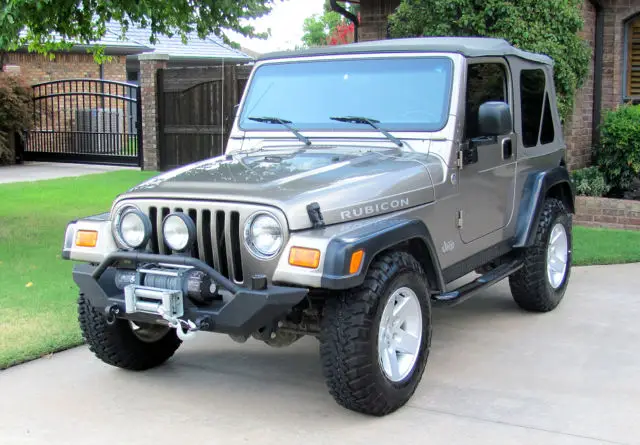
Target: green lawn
pixel 37 293
pixel 605 246
pixel 38 296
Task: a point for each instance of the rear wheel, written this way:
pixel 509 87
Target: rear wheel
pixel 375 339
pixel 127 345
pixel 540 284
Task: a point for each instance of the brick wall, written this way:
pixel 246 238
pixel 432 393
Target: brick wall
pixel 615 16
pixel 578 128
pixel 149 66
pixel 606 212
pixel 37 68
pixel 373 16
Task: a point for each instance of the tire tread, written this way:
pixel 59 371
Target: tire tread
pixel 117 345
pixel 345 348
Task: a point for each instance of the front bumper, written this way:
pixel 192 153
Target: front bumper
pixel 240 310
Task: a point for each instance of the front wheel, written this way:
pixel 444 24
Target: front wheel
pixel 124 344
pixel 375 339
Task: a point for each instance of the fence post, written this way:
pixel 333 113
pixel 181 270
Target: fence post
pixel 150 64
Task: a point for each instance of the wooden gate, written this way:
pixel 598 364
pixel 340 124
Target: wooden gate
pixel 85 120
pixel 196 111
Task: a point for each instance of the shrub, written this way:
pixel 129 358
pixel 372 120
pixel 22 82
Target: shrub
pixel 15 111
pixel 618 154
pixel 590 181
pixel 549 27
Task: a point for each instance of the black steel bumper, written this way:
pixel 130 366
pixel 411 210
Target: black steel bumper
pixel 242 313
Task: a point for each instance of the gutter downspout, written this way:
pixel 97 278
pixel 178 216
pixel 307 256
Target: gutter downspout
pixel 340 10
pixel 597 72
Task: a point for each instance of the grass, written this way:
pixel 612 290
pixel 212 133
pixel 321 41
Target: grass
pixel 38 295
pixel 605 246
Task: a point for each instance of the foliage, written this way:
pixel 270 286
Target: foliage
pixel 48 25
pixel 330 28
pixel 549 27
pixel 618 153
pixel 342 34
pixel 590 181
pixel 15 111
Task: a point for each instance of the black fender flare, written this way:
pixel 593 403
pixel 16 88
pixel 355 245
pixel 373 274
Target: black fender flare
pixel 555 181
pixel 373 239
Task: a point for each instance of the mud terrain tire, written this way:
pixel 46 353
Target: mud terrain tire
pixel 117 345
pixel 350 330
pixel 531 287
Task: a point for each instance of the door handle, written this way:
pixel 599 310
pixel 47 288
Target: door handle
pixel 507 149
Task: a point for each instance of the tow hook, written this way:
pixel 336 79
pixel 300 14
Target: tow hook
pixel 111 312
pixel 177 323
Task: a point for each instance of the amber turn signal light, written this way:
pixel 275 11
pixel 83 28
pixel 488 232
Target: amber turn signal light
pixel 304 257
pixel 86 238
pixel 356 261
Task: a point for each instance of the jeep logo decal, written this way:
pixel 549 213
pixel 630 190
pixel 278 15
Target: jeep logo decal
pixel 357 212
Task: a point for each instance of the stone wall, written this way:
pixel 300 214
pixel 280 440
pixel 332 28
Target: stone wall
pixel 606 212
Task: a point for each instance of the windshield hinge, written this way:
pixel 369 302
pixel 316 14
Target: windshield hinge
pixel 460 161
pixel 460 219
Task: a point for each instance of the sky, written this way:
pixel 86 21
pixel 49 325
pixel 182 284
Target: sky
pixel 285 20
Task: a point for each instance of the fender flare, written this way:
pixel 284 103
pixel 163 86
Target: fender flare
pixel 537 187
pixel 373 239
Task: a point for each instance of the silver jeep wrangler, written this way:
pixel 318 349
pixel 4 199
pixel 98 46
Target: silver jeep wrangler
pixel 359 182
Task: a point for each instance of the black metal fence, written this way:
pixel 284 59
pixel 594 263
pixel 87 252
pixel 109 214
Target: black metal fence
pixel 86 120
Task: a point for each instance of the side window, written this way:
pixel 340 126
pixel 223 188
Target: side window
pixel 547 133
pixel 485 82
pixel 533 101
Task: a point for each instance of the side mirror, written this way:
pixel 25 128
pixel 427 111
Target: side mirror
pixel 494 119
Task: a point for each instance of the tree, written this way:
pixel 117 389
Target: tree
pixel 45 26
pixel 549 27
pixel 320 30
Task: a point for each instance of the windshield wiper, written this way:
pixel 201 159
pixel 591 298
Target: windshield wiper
pixel 371 122
pixel 283 122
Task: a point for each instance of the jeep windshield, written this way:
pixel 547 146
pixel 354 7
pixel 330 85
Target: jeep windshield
pixel 402 93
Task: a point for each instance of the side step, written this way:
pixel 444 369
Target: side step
pixel 465 292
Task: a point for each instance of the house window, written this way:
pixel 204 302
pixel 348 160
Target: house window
pixel 632 84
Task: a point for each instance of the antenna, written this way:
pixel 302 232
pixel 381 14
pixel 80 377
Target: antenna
pixel 222 110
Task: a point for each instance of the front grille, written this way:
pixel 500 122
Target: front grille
pixel 217 241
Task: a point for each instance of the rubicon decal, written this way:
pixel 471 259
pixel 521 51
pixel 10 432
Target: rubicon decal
pixel 372 209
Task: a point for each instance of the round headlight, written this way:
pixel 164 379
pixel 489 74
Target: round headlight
pixel 263 235
pixel 179 231
pixel 133 228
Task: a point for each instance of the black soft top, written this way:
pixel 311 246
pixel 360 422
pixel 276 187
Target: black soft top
pixel 467 46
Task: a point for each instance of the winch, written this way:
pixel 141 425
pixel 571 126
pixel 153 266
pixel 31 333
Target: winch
pixel 193 283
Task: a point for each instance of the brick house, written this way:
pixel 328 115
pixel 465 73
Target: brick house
pixel 612 28
pixel 125 66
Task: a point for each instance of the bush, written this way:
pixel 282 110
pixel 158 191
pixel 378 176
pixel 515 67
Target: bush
pixel 618 154
pixel 15 112
pixel 549 27
pixel 590 181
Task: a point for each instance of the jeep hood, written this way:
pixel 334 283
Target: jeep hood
pixel 347 183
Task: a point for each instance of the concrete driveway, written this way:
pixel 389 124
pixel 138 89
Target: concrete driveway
pixel 36 171
pixel 496 375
